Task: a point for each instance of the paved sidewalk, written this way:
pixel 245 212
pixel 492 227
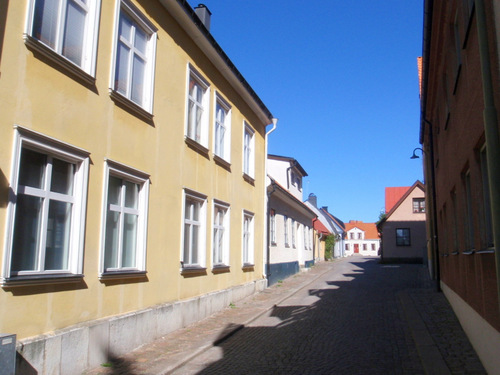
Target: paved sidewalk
pixel 441 343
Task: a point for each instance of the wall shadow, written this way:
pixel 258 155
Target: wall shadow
pixel 4 5
pixel 353 325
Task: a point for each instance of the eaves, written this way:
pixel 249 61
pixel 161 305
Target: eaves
pixel 193 26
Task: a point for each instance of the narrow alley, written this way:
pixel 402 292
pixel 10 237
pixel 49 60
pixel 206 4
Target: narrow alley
pixel 351 316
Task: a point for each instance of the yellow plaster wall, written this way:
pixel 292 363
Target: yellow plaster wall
pixel 36 94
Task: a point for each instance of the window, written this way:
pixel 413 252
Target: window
pixel 248 241
pixel 347 246
pixel 458 51
pixel 193 251
pixel 365 247
pixel 487 227
pixel 272 225
pixel 124 219
pixel 306 239
pixel 373 246
pixel 418 205
pixel 66 27
pixel 135 45
pixel 222 138
pixel 455 220
pixel 248 151
pixel 285 231
pixel 360 236
pixel 403 237
pixel 293 233
pixel 197 108
pixel 221 234
pixel 469 224
pixel 46 217
pixel 351 235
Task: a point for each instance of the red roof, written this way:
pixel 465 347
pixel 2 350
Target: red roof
pixel 318 225
pixel 370 229
pixel 393 195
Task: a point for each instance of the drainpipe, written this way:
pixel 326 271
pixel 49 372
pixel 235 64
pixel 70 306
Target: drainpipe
pixel 434 234
pixel 491 132
pixel 265 242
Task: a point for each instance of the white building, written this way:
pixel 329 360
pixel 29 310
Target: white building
pixel 291 232
pixel 361 238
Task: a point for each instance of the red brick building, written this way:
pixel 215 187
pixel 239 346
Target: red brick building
pixel 460 99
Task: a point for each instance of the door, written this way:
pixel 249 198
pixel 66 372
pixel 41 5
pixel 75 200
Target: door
pixel 356 248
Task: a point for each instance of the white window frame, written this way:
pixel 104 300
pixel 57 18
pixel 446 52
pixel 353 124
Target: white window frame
pixel 248 234
pixel 200 135
pixel 193 196
pixel 285 230
pixel 24 138
pixel 272 224
pixel 132 175
pixel 248 150
pixel 140 21
pixel 222 149
pixel 294 245
pixel 220 250
pixel 55 53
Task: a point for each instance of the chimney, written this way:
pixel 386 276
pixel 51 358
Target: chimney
pixel 313 200
pixel 325 208
pixel 204 15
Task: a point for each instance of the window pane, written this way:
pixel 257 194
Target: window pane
pixel 187 243
pixel 114 189
pixel 138 71
pixel 141 40
pixel 194 249
pixel 62 177
pixel 111 241
pixel 32 168
pixel 129 240
pixel 125 28
pixel 58 234
pixel 121 75
pixel 74 32
pixel 26 233
pixel 131 194
pixel 196 211
pixel 45 21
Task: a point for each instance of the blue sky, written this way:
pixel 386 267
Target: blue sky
pixel 341 77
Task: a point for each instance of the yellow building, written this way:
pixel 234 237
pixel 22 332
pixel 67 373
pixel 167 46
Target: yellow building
pixel 132 165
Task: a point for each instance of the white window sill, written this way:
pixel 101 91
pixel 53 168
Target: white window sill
pixel 193 271
pixel 248 178
pixel 248 267
pixel 131 106
pixel 222 162
pixel 36 46
pixel 220 268
pixel 19 281
pixel 196 146
pixel 122 274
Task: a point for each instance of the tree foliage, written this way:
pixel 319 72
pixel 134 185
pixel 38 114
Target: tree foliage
pixel 329 244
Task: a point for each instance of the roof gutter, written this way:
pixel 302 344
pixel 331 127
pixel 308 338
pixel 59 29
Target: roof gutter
pixel 428 8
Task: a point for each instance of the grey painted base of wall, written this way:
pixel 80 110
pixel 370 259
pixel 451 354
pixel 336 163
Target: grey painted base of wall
pixel 86 345
pixel 308 263
pixel 280 271
pixel 402 260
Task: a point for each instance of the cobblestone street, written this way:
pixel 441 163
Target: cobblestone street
pixel 350 316
pixel 350 320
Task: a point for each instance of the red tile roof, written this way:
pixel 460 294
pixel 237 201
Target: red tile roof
pixel 393 195
pixel 318 225
pixel 370 229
